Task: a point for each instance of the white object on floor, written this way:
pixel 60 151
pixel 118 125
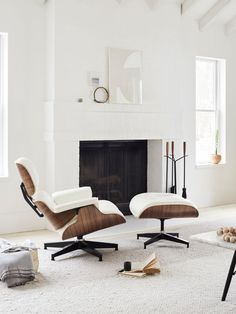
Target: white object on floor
pixel 27 243
pixel 213 239
pixel 5 244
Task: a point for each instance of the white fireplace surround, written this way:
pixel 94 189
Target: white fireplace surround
pixel 66 128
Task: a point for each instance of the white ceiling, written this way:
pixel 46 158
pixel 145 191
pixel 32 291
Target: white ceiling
pixel 200 7
pixel 208 12
pixel 205 12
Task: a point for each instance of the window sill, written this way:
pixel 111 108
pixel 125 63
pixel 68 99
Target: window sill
pixel 209 165
pixel 4 177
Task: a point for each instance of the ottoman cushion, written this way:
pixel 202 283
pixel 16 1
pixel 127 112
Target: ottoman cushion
pixel 162 205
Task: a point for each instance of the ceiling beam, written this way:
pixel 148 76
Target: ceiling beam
pixel 230 27
pixel 186 5
pixel 212 13
pixel 151 3
pixel 41 2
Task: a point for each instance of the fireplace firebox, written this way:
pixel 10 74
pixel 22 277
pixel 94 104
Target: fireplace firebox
pixel 115 170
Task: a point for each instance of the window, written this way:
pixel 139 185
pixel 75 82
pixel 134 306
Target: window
pixel 210 109
pixel 3 103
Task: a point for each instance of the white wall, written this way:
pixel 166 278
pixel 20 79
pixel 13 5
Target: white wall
pixel 78 35
pixel 213 185
pixel 23 20
pixel 83 32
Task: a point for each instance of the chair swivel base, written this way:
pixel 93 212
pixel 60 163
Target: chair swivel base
pixel 87 246
pixel 154 237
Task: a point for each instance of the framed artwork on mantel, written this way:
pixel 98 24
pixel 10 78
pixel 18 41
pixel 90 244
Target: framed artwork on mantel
pixel 125 76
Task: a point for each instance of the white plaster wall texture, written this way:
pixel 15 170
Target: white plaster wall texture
pixel 85 29
pixel 24 22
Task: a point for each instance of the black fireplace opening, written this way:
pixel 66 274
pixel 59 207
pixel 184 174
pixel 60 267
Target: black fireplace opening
pixel 115 170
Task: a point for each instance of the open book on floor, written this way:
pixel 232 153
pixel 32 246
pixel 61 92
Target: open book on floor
pixel 149 266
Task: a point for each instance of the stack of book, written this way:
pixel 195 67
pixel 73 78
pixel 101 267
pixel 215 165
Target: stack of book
pixel 150 266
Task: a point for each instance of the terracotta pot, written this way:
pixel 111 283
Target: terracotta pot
pixel 215 159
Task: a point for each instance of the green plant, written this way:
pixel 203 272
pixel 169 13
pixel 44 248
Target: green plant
pixel 217 138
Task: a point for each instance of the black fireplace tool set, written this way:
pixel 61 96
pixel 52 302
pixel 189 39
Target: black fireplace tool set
pixel 171 157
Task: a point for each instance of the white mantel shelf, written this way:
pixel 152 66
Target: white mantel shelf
pixel 112 107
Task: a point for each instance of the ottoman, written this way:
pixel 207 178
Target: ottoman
pixel 162 206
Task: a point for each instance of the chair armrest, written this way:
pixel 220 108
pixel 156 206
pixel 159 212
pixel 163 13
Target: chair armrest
pixel 72 195
pixel 75 204
pixel 107 207
pixel 43 196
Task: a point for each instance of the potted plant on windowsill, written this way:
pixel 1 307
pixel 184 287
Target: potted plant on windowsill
pixel 216 158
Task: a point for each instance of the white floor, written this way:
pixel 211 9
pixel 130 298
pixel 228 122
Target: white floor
pixel 191 280
pixel 133 226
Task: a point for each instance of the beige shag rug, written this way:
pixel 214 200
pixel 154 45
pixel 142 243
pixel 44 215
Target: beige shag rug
pixel 191 281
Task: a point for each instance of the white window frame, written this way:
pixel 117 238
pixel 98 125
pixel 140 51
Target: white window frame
pixel 3 104
pixel 220 105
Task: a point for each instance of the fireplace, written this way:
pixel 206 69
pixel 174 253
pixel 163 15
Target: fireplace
pixel 115 170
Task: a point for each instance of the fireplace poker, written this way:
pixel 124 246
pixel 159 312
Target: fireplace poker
pixel 173 168
pixel 167 164
pixel 184 193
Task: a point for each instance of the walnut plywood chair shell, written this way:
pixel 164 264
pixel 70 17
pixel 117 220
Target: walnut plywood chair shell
pixel 72 213
pixel 29 175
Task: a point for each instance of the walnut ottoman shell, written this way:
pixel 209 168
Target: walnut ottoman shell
pixel 162 206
